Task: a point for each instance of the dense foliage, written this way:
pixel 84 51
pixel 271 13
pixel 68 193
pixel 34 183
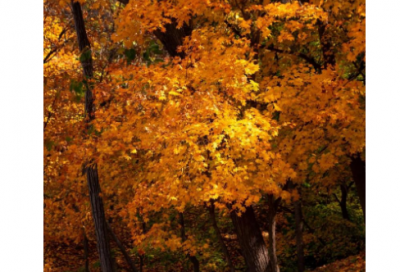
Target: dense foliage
pixel 218 129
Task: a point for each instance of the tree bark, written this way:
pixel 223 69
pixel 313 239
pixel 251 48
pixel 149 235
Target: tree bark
pixel 122 248
pixel 299 236
pixel 250 239
pixel 357 166
pixel 193 259
pixel 96 201
pixel 273 205
pixel 211 210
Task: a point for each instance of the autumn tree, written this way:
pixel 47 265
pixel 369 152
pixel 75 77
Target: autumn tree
pixel 215 106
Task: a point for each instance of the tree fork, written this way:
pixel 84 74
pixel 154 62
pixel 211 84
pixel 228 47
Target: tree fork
pixel 122 248
pixel 103 245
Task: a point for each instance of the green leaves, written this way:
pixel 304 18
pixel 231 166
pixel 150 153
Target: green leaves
pixel 150 56
pixel 86 55
pixel 130 55
pixel 77 88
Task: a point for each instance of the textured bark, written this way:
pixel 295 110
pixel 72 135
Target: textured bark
pixel 96 201
pixel 299 235
pixel 193 259
pixel 224 248
pixel 103 245
pixel 250 239
pixel 122 248
pixel 357 166
pixel 273 205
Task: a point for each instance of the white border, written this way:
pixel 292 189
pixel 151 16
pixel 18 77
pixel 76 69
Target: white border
pixel 21 136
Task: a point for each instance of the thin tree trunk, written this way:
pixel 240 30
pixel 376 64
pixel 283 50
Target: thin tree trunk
pixel 85 250
pixel 299 235
pixel 122 248
pixel 343 202
pixel 271 224
pixel 141 256
pixel 211 210
pixel 96 201
pixel 250 239
pixel 357 166
pixel 193 259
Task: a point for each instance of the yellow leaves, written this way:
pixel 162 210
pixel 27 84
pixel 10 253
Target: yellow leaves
pixel 250 68
pixel 277 107
pixel 173 93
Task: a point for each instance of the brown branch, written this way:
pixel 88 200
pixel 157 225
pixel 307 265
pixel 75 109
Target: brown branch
pixel 122 248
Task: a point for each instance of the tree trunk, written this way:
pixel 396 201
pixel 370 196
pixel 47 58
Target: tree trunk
pixel 86 250
pixel 343 202
pixel 357 166
pixel 96 201
pixel 122 248
pixel 271 215
pixel 299 235
pixel 173 36
pixel 211 210
pixel 141 256
pixel 250 239
pixel 193 259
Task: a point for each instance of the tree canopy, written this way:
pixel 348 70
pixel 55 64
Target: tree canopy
pixel 216 130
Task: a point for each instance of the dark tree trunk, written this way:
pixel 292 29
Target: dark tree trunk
pixel 211 210
pixel 173 37
pixel 122 248
pixel 141 260
pixel 141 257
pixel 193 259
pixel 103 245
pixel 86 250
pixel 299 235
pixel 96 201
pixel 273 205
pixel 343 202
pixel 357 166
pixel 250 239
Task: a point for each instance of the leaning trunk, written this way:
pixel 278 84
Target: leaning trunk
pixel 250 239
pixel 90 168
pixel 271 224
pixel 122 248
pixel 357 166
